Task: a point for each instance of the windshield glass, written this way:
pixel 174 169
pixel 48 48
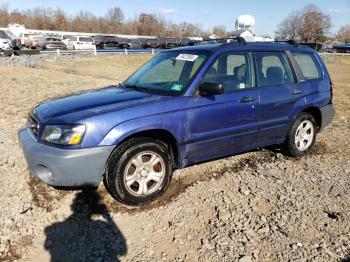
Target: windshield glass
pixel 3 35
pixel 168 73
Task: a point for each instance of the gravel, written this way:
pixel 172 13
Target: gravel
pixel 257 206
pixel 34 61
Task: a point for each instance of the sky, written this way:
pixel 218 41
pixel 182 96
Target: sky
pixel 268 14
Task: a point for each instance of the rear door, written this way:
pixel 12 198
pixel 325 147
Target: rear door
pixel 224 123
pixel 279 93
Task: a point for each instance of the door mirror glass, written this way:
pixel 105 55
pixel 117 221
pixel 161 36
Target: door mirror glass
pixel 211 88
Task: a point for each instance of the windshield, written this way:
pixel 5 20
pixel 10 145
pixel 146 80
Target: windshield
pixel 3 35
pixel 168 73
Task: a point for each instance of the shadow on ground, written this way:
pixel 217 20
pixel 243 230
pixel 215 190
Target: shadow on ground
pixel 346 259
pixel 89 234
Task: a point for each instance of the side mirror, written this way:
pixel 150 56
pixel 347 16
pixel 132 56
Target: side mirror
pixel 211 88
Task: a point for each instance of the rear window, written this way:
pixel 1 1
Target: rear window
pixel 85 39
pixel 308 65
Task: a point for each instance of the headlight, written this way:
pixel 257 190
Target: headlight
pixel 64 134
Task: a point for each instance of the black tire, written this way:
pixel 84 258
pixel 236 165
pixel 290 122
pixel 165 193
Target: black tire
pixel 120 159
pixel 289 147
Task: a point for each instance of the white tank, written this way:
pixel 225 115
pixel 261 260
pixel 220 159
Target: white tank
pixel 245 22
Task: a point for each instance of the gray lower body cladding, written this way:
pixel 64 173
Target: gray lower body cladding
pixel 327 112
pixel 64 167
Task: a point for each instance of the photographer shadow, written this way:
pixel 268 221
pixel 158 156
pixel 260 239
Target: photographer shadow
pixel 89 234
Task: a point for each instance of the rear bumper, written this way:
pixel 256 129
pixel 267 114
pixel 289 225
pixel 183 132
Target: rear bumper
pixel 62 167
pixel 327 113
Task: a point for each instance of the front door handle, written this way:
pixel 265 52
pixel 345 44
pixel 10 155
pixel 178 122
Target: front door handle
pixel 247 99
pixel 296 92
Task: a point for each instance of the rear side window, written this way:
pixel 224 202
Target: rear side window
pixel 273 69
pixel 308 65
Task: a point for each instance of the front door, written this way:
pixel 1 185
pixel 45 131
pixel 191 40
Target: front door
pixel 224 123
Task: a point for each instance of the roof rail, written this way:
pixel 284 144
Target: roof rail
pixel 228 40
pixel 290 42
pixel 240 40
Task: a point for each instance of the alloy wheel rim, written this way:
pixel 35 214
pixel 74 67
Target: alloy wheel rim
pixel 144 174
pixel 304 135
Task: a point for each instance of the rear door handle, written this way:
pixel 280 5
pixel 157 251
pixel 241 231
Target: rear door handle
pixel 296 92
pixel 247 99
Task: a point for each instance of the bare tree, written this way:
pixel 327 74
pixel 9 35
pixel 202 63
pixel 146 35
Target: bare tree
pixel 189 29
pixel 4 15
pixel 150 24
pixel 60 20
pixel 344 33
pixel 313 24
pixel 220 30
pixel 288 28
pixel 308 24
pixel 115 18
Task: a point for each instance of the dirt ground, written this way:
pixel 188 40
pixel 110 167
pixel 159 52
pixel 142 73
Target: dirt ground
pixel 257 206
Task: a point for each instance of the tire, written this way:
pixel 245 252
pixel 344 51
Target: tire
pixel 132 161
pixel 301 137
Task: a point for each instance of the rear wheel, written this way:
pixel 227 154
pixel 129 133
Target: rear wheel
pixel 301 136
pixel 139 171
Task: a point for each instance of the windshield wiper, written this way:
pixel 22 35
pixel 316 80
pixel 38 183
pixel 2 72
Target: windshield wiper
pixel 137 88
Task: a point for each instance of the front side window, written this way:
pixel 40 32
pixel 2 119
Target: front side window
pixel 308 65
pixel 232 70
pixel 168 73
pixel 273 69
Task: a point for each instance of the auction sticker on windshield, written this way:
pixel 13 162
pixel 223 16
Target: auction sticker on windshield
pixel 187 57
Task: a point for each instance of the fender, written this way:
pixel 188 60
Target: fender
pixel 131 127
pixel 310 101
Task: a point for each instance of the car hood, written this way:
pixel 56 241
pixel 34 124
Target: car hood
pixel 90 103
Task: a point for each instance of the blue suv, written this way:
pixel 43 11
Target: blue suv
pixel 184 106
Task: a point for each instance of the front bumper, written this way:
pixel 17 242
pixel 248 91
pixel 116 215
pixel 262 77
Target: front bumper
pixel 327 113
pixel 64 167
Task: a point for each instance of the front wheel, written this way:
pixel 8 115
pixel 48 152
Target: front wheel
pixel 301 136
pixel 139 171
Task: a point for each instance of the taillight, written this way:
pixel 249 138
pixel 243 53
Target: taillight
pixel 332 86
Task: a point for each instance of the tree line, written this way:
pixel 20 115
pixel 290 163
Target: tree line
pixel 309 24
pixel 113 22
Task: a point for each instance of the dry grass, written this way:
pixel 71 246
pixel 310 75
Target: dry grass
pixel 21 87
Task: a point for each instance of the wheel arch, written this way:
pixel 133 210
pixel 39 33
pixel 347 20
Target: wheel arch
pixel 316 113
pixel 158 134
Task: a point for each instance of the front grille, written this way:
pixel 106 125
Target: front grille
pixel 33 124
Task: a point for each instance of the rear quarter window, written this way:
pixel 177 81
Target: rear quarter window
pixel 308 64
